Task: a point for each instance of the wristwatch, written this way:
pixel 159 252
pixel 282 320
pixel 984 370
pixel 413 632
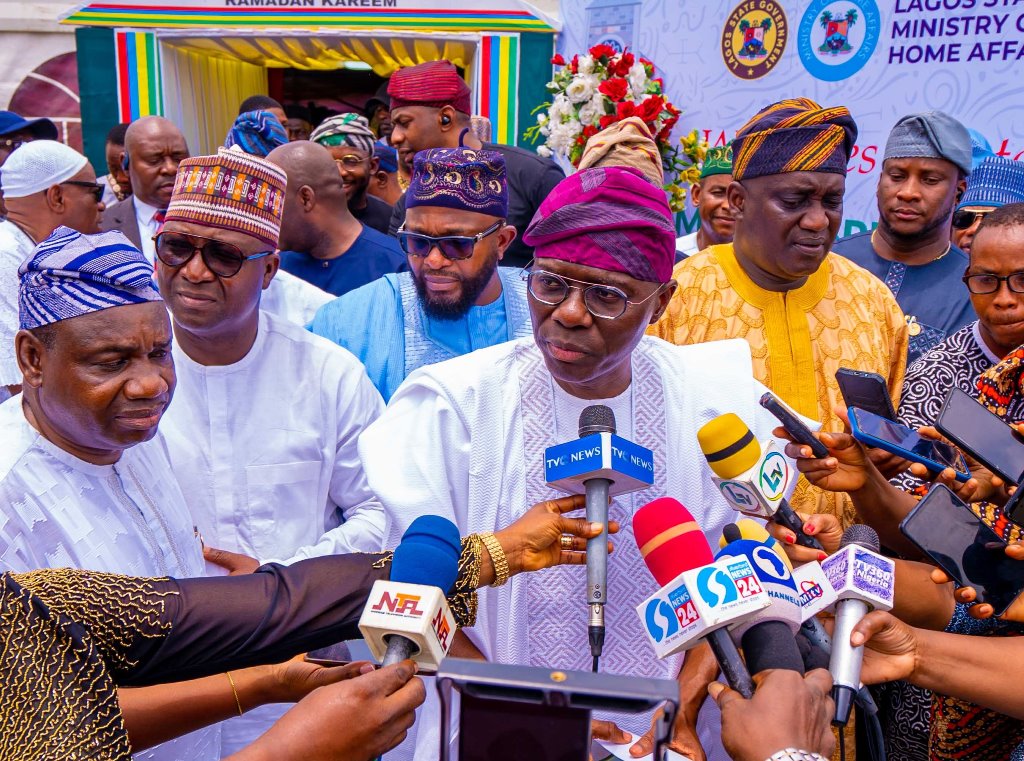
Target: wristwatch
pixel 795 754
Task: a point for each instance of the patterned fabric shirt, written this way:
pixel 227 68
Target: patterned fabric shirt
pixel 841 317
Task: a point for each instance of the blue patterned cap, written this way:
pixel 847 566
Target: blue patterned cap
pixel 996 182
pixel 388 156
pixel 980 148
pixel 256 133
pixel 70 274
pixel 459 178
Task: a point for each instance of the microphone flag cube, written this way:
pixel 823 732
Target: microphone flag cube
pixel 857 573
pixel 629 466
pixel 417 612
pixel 698 601
pixel 759 490
pixel 816 591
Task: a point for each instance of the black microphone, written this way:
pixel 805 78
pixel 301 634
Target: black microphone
pixel 597 418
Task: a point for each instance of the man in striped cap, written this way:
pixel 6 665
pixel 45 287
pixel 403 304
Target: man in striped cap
pixel 804 311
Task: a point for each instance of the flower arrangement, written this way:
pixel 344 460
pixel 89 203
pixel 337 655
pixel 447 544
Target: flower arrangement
pixel 594 91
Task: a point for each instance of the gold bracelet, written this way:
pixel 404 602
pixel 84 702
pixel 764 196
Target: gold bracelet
pixel 234 692
pixel 498 559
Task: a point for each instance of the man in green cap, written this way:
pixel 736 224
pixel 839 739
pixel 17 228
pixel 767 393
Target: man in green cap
pixel 711 202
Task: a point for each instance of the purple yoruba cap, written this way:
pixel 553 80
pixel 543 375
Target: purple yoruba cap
pixel 459 178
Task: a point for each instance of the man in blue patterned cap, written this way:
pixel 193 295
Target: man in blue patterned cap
pixel 455 299
pixel 924 170
pixel 995 182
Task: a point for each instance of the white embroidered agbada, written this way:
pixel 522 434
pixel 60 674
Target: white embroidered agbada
pixel 129 517
pixel 465 439
pixel 266 454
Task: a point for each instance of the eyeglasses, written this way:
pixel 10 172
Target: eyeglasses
pixel 10 144
pixel 963 219
pixel 604 301
pixel 452 247
pixel 351 161
pixel 95 188
pixel 222 259
pixel 982 284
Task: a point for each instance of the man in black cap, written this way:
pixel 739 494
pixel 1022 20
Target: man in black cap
pixel 16 129
pixel 924 171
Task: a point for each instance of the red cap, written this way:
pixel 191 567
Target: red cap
pixel 435 84
pixel 669 539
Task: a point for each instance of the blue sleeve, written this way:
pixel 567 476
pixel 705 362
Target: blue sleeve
pixel 368 322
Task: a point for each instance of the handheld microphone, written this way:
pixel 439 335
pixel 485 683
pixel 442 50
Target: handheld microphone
pixel 407 615
pixel 752 477
pixel 600 465
pixel 863 580
pixel 699 597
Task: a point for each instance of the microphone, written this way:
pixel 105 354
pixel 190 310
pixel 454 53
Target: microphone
pixel 598 464
pixel 407 615
pixel 767 638
pixel 699 596
pixel 863 580
pixel 752 477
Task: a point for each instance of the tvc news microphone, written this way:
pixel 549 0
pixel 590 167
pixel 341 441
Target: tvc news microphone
pixel 407 615
pixel 699 597
pixel 753 477
pixel 599 465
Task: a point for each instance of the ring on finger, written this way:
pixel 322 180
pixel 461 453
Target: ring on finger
pixel 566 542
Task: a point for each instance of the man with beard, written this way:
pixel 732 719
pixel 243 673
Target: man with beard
pixel 321 242
pixel 712 203
pixel 924 170
pixel 455 299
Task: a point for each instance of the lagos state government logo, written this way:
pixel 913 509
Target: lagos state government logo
pixel 836 39
pixel 754 38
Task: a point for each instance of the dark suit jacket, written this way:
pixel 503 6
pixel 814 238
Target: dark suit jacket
pixel 121 217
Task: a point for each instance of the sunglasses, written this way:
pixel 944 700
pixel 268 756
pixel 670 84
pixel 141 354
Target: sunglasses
pixel 10 144
pixel 351 161
pixel 95 188
pixel 604 301
pixel 452 247
pixel 222 259
pixel 963 219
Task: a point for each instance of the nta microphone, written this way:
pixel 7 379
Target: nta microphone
pixel 752 478
pixel 598 464
pixel 407 615
pixel 863 580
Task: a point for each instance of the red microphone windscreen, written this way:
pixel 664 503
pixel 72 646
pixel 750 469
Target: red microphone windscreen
pixel 669 539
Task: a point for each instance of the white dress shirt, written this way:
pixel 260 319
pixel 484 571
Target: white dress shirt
pixel 148 226
pixel 15 247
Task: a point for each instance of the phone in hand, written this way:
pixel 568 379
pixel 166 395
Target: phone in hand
pixel 794 426
pixel 983 435
pixel 866 391
pixel 896 438
pixel 945 529
pixel 341 653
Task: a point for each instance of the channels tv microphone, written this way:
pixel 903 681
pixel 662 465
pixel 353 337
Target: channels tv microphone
pixel 598 464
pixel 863 580
pixel 768 638
pixel 699 597
pixel 752 477
pixel 407 616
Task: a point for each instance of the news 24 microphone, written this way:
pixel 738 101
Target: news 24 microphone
pixel 598 464
pixel 752 478
pixel 863 580
pixel 699 597
pixel 407 616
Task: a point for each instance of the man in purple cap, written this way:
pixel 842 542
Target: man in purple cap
pixel 455 299
pixel 470 433
pixel 430 108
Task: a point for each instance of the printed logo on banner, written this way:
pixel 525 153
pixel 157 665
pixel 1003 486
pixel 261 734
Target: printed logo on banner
pixel 836 39
pixel 754 38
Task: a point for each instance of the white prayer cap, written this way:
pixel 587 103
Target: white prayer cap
pixel 38 165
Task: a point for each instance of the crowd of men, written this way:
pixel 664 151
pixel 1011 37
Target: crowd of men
pixel 293 348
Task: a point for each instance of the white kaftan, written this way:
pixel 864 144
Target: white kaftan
pixel 465 439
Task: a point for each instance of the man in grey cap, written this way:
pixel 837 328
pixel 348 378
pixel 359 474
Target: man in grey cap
pixel 924 171
pixel 46 184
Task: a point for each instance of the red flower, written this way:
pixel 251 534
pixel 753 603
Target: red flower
pixel 557 60
pixel 581 140
pixel 602 51
pixel 651 108
pixel 575 64
pixel 621 67
pixel 589 131
pixel 625 110
pixel 615 89
pixel 672 109
pixel 608 120
pixel 648 65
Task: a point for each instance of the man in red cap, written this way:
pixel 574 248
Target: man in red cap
pixel 430 108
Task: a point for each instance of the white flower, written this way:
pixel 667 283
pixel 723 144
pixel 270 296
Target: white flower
pixel 560 108
pixel 637 80
pixel 581 89
pixel 592 111
pixel 544 152
pixel 585 64
pixel 542 118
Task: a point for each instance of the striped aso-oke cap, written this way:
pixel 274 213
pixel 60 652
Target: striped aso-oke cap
pixel 70 274
pixel 232 191
pixel 345 129
pixel 794 135
pixel 997 181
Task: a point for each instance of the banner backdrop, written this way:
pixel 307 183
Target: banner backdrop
pixel 722 61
